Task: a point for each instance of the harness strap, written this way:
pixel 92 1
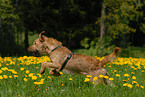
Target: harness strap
pixel 55 48
pixel 68 57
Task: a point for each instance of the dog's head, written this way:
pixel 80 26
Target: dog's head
pixel 43 45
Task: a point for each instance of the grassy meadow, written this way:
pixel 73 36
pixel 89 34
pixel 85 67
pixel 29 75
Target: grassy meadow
pixel 20 77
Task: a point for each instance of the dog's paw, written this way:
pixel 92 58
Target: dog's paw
pixel 43 72
pixel 54 73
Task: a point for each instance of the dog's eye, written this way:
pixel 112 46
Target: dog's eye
pixel 35 42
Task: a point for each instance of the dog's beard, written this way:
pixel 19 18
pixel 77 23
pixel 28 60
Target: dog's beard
pixel 36 53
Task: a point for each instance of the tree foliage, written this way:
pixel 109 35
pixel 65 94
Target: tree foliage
pixel 120 15
pixel 8 21
pixel 71 21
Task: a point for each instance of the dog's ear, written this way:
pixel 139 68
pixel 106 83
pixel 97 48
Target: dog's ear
pixel 41 37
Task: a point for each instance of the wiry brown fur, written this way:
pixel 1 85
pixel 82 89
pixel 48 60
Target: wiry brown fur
pixel 78 64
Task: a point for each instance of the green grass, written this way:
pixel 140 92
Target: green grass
pixel 63 87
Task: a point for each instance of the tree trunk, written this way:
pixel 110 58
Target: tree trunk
pixel 26 39
pixel 21 40
pixel 16 11
pixel 0 36
pixel 102 29
pixel 124 40
pixel 0 29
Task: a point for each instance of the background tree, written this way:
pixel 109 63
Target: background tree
pixel 8 20
pixel 121 15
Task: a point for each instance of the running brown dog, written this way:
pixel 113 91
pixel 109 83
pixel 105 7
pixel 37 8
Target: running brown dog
pixel 64 60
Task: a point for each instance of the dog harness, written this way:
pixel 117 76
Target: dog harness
pixel 67 59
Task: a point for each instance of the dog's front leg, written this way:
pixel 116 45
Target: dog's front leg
pixel 51 66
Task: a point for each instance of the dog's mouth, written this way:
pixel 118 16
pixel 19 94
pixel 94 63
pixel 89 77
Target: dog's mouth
pixel 36 53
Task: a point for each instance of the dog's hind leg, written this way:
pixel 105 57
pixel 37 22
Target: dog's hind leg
pixel 98 72
pixel 51 66
pixel 107 81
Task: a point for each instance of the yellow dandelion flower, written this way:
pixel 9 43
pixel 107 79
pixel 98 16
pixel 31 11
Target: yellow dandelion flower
pixel 10 76
pixel 137 85
pixel 39 75
pixel 133 77
pixel 125 80
pixel 60 72
pixel 125 84
pixel 1 71
pixel 87 79
pixel 132 72
pixel 22 69
pixel 70 78
pixel 31 74
pixel 125 69
pixel 129 85
pixel 135 68
pixel 141 81
pixel 117 75
pixel 5 76
pixel 25 79
pixel 115 70
pixel 134 82
pixel 62 90
pixel 4 69
pixel 36 83
pixel 41 82
pixel 142 71
pixel 95 78
pixel 132 66
pixel 109 66
pixel 1 77
pixel 15 75
pixel 36 67
pixel 25 75
pixel 88 76
pixel 106 77
pixel 34 77
pixel 101 76
pixel 14 72
pixel 111 79
pixel 7 64
pixel 126 75
pixel 27 71
pixel 62 84
pixel 49 77
pixel 142 86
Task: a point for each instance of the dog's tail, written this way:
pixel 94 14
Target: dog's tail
pixel 111 57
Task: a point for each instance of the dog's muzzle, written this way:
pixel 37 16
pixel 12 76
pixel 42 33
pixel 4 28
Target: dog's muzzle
pixel 36 53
